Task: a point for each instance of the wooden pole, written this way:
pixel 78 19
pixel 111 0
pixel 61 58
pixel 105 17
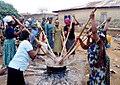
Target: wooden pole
pixel 47 42
pixel 66 38
pixel 76 46
pixel 37 41
pixel 78 36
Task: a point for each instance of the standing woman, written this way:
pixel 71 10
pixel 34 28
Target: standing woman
pixel 71 37
pixel 34 31
pixel 21 60
pixel 103 32
pixel 58 39
pixel 43 27
pixel 103 35
pixel 96 57
pixel 48 31
pixel 1 35
pixel 9 48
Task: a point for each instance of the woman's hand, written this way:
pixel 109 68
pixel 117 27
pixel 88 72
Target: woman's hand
pixel 78 38
pixel 89 34
pixel 92 15
pixel 13 17
pixel 108 19
pixel 39 45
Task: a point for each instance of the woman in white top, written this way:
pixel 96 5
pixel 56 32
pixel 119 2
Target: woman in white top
pixel 21 60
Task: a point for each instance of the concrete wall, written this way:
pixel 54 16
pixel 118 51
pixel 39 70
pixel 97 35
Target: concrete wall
pixel 38 16
pixel 83 15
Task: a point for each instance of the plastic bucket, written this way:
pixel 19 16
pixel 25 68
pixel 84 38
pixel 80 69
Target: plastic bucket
pixel 109 38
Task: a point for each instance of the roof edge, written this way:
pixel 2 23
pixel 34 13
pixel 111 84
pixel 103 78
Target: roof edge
pixel 72 9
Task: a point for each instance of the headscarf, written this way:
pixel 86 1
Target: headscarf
pixel 8 19
pixel 34 25
pixel 67 20
pixel 50 18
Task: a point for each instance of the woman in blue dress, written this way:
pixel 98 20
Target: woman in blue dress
pixel 96 56
pixel 9 48
pixel 48 31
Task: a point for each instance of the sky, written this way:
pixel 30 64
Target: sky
pixel 32 6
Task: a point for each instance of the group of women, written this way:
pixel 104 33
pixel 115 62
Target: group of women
pixel 96 46
pixel 17 62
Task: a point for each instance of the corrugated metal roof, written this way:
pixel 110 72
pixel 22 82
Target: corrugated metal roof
pixel 109 3
pixel 97 4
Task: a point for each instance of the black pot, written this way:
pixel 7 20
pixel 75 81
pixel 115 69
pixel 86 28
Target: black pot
pixel 56 70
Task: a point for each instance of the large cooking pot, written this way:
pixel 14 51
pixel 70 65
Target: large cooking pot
pixel 56 70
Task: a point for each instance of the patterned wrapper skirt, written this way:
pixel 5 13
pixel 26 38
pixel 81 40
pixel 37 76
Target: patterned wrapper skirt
pixel 108 70
pixel 9 50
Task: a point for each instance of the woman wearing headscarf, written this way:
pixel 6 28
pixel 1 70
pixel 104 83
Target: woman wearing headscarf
pixel 34 31
pixel 9 48
pixel 58 39
pixel 102 32
pixel 96 56
pixel 48 31
pixel 71 37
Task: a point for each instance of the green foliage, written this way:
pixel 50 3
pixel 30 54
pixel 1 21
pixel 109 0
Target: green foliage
pixel 7 9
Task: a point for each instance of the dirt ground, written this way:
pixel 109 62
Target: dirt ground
pixel 113 52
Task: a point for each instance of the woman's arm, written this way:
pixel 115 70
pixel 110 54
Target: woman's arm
pixel 33 53
pixel 65 31
pixel 94 30
pixel 76 21
pixel 16 33
pixel 18 21
pixel 88 40
pixel 82 44
pixel 1 34
pixel 106 24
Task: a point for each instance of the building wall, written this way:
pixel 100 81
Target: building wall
pixel 38 16
pixel 83 15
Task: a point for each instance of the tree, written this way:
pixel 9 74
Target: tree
pixel 42 10
pixel 7 9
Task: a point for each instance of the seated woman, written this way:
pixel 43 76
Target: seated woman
pixel 21 60
pixel 96 56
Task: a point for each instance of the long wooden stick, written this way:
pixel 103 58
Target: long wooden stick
pixel 64 44
pixel 37 41
pixel 87 35
pixel 47 42
pixel 76 46
pixel 63 35
pixel 78 36
pixel 97 26
pixel 81 31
